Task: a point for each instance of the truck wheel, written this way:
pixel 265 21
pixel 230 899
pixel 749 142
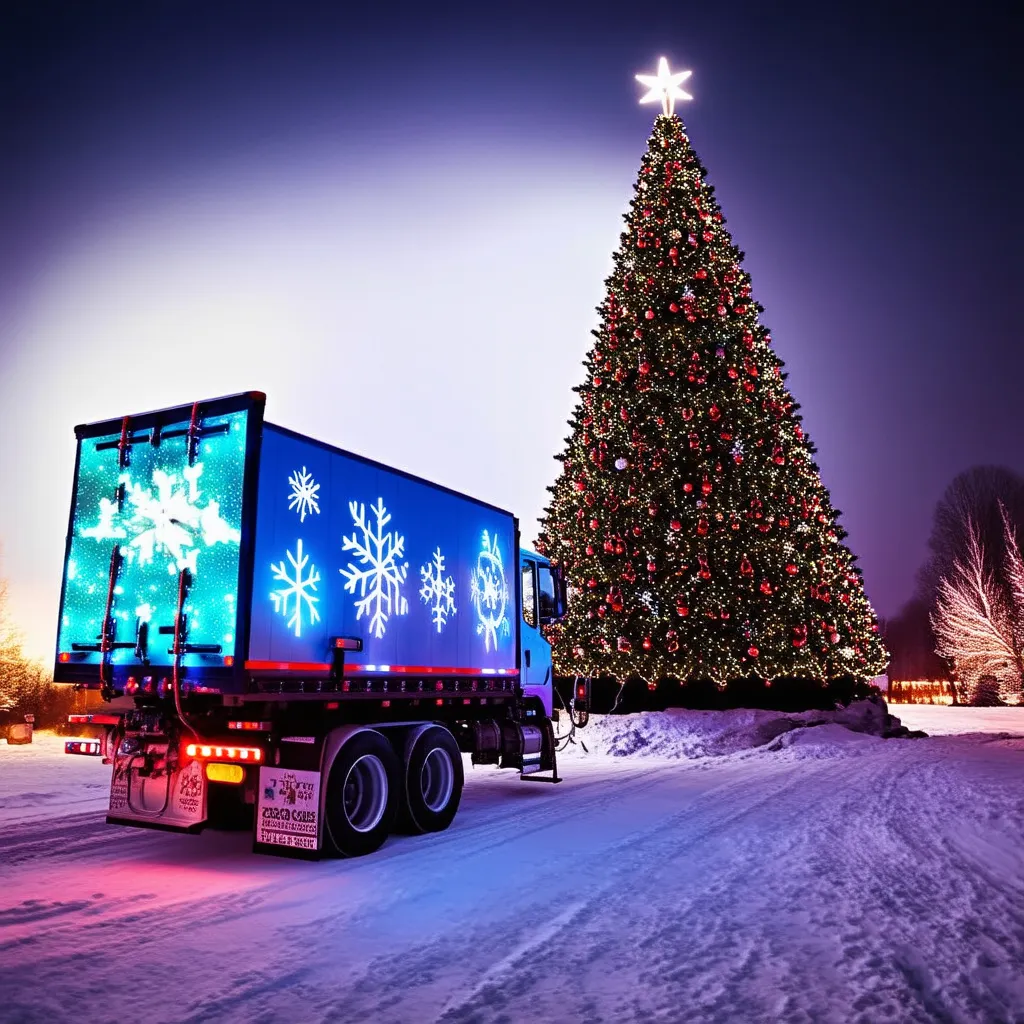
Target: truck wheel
pixel 362 794
pixel 433 780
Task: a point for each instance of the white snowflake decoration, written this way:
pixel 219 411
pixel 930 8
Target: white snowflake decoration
pixel 164 519
pixel 489 590
pixel 438 590
pixel 737 450
pixel 299 589
pixel 304 497
pixel 380 582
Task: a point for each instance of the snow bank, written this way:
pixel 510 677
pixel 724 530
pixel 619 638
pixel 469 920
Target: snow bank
pixel 38 780
pixel 947 720
pixel 683 733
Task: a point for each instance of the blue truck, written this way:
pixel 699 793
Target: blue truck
pixel 293 637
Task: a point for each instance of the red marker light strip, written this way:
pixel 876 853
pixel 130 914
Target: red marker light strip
pixel 202 751
pixel 431 670
pixel 322 668
pixel 251 726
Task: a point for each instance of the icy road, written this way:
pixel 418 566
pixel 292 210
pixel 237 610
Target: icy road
pixel 837 878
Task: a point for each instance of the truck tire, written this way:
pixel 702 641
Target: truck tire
pixel 433 780
pixel 362 794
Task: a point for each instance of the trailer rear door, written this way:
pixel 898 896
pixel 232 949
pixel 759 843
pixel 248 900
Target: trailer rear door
pixel 156 527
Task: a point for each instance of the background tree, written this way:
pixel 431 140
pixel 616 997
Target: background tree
pixel 26 686
pixel 979 617
pixel 973 496
pixel 689 515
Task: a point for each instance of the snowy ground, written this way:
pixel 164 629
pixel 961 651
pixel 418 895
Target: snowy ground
pixel 823 876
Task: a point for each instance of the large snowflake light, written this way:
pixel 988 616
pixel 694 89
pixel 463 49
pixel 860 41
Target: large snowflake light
pixel 305 490
pixel 438 590
pixel 489 591
pixel 297 594
pixel 165 519
pixel 379 551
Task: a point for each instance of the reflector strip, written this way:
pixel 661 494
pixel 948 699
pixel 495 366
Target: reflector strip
pixel 94 719
pixel 288 666
pixel 91 747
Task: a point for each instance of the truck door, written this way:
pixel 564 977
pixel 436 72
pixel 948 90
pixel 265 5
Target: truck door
pixel 536 652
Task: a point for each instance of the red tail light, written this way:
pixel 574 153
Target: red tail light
pixel 203 751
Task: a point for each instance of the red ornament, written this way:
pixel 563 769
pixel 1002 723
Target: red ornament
pixel 702 526
pixel 652 509
pixel 701 274
pixel 649 314
pixel 673 307
pixel 594 524
pixel 792 569
pixel 753 651
pixel 645 368
pixel 624 645
pixel 714 412
pixel 580 485
pixel 687 487
pixel 746 569
pixel 766 587
pixel 590 549
pixel 601 611
pixel 591 583
pixel 783 521
pixel 652 567
pixel 624 413
pixel 687 414
pixel 637 531
pixel 705 487
pixel 676 524
pixel 683 610
pixel 646 643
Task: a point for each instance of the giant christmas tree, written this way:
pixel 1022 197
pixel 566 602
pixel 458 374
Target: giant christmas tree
pixel 689 516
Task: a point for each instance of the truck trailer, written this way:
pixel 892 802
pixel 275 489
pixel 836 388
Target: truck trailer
pixel 294 638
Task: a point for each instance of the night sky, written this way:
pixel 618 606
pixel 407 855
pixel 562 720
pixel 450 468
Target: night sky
pixel 397 219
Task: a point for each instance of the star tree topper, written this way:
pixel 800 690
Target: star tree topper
pixel 664 86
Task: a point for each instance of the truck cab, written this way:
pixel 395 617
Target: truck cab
pixel 543 602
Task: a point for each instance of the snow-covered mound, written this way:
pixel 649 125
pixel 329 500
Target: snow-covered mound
pixel 682 733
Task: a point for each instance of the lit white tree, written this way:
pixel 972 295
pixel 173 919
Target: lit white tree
pixel 979 620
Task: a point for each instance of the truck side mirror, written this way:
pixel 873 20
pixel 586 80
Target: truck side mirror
pixel 561 600
pixel 551 589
